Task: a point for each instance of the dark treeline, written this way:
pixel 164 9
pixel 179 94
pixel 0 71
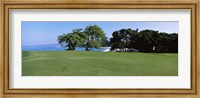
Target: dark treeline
pixel 144 41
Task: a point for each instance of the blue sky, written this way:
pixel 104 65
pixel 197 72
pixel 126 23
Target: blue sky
pixel 40 33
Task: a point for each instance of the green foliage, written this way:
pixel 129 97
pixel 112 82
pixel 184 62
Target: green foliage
pixel 96 37
pixel 92 44
pixel 72 40
pixel 92 37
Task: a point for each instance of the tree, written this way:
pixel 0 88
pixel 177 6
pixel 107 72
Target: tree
pixel 168 42
pixel 82 35
pixel 148 40
pixel 95 37
pixel 123 39
pixel 72 40
pixel 134 39
pixel 115 41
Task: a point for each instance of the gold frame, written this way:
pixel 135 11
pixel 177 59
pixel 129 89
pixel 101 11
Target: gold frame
pixel 98 4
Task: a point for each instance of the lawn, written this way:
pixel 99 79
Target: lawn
pixel 86 63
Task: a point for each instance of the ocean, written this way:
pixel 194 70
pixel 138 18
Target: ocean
pixel 55 47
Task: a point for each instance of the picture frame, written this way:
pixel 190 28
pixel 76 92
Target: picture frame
pixel 98 4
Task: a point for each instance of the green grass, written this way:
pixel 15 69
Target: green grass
pixel 25 53
pixel 82 63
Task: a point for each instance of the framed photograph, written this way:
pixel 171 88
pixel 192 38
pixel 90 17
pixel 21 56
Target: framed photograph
pixel 100 48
